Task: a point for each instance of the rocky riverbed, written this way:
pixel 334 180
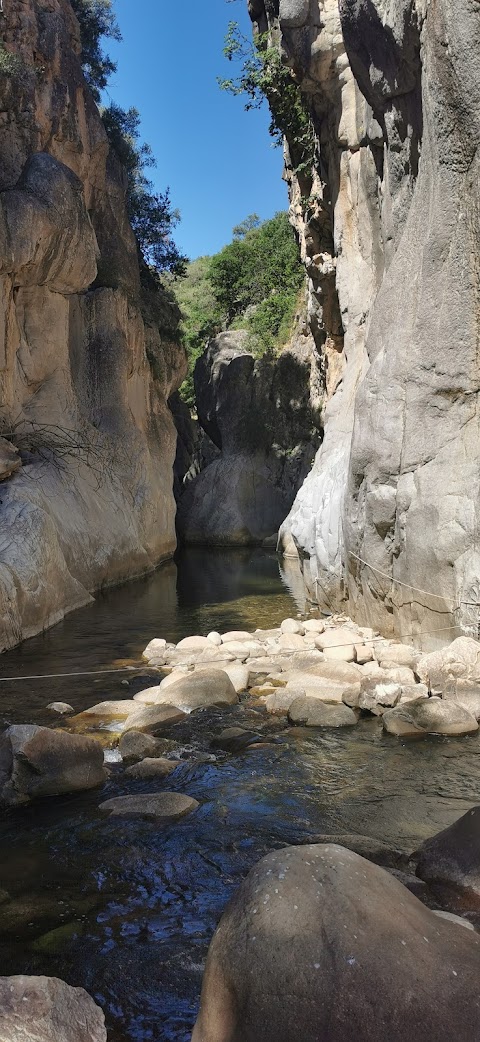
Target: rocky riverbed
pixel 228 746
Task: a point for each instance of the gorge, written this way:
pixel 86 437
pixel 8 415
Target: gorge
pixel 239 791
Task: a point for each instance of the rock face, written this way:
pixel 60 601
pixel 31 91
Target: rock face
pixel 40 1009
pixel 35 761
pixel 320 944
pixel 390 243
pixel 263 415
pixel 86 362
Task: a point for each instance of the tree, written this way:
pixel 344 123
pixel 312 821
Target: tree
pixel 250 222
pixel 97 20
pixel 151 213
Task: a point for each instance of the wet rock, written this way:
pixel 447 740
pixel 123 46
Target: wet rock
pixel 465 693
pixel 153 718
pixel 311 712
pixel 105 712
pixel 135 746
pixel 36 761
pixel 451 860
pixel 45 1009
pixel 205 687
pixel 156 767
pixel 429 716
pixel 354 941
pixel 163 807
pixel 60 707
pixel 237 739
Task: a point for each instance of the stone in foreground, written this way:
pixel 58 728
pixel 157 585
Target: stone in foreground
pixel 429 716
pixel 163 807
pixel 320 944
pixel 45 1009
pixel 450 860
pixel 35 761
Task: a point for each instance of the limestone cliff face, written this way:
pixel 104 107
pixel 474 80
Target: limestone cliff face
pixel 392 233
pixel 86 366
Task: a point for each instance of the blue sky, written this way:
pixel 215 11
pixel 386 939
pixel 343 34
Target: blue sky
pixel 217 159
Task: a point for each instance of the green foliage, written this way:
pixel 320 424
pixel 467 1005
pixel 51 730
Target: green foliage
pixel 252 284
pixel 151 214
pixel 97 20
pixel 264 264
pixel 263 76
pixel 202 316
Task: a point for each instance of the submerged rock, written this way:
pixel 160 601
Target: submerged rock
pixel 36 761
pixel 45 1009
pixel 312 712
pixel 319 943
pixel 164 807
pixel 152 767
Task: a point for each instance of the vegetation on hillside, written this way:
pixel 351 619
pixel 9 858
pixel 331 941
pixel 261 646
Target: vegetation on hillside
pixel 151 214
pixel 252 284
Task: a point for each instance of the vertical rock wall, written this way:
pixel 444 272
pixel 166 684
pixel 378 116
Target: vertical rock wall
pixel 86 364
pixel 391 236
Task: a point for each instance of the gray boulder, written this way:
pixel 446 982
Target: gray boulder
pixel 429 716
pixel 45 1009
pixel 205 687
pixel 450 861
pixel 152 767
pixel 318 943
pixel 312 712
pixel 136 745
pixel 35 761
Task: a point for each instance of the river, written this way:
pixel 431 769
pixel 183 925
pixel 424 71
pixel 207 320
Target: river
pixel 127 909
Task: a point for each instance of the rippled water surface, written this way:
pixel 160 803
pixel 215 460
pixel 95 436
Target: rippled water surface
pixel 127 909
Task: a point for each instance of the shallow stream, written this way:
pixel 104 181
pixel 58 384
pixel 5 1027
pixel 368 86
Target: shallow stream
pixel 127 909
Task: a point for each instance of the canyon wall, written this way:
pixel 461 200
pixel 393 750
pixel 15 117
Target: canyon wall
pixel 389 223
pixel 87 360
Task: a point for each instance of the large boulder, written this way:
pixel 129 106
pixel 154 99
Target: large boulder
pixel 429 716
pixel 207 687
pixel 460 659
pixel 450 861
pixel 35 761
pixel 45 1009
pixel 319 943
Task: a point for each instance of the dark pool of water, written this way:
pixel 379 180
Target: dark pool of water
pixel 134 906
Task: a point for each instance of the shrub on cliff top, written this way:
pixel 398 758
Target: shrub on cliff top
pixel 97 21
